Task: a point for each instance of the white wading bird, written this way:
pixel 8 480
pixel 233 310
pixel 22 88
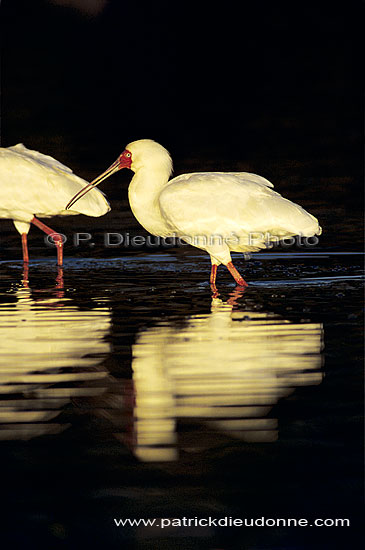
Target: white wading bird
pixel 218 212
pixel 33 184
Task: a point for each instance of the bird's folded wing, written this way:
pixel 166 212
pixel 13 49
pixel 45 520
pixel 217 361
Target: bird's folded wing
pixel 45 160
pixel 226 203
pixel 40 185
pixel 213 202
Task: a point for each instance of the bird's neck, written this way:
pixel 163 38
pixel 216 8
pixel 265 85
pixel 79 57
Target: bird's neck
pixel 144 191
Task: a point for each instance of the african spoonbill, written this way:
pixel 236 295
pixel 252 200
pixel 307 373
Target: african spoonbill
pixel 220 212
pixel 33 184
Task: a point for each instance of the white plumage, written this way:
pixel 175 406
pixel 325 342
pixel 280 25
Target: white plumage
pixel 220 212
pixel 33 184
pixel 247 210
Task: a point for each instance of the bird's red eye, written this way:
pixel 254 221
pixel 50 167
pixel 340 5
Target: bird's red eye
pixel 125 159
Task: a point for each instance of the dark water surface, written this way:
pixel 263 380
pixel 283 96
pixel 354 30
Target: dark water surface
pixel 128 391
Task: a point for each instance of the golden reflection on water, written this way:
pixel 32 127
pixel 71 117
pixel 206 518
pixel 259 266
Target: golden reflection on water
pixel 50 353
pixel 225 370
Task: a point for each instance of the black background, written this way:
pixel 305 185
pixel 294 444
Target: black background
pixel 234 79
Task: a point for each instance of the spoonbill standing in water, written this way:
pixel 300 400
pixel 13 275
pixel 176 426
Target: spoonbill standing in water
pixel 33 184
pixel 220 212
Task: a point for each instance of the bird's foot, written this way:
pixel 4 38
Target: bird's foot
pixel 214 290
pixel 25 280
pixel 59 279
pixel 236 275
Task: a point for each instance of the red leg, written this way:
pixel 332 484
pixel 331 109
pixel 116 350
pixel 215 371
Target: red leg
pixel 25 248
pixel 213 274
pixel 59 278
pixel 57 238
pixel 25 280
pixel 235 274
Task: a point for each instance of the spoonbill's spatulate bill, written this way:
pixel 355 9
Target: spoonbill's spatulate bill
pixel 33 184
pixel 220 212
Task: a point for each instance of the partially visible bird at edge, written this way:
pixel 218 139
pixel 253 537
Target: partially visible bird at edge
pixel 34 185
pixel 215 211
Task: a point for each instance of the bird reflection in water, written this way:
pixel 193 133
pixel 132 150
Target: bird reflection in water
pixel 51 353
pixel 58 288
pixel 222 371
